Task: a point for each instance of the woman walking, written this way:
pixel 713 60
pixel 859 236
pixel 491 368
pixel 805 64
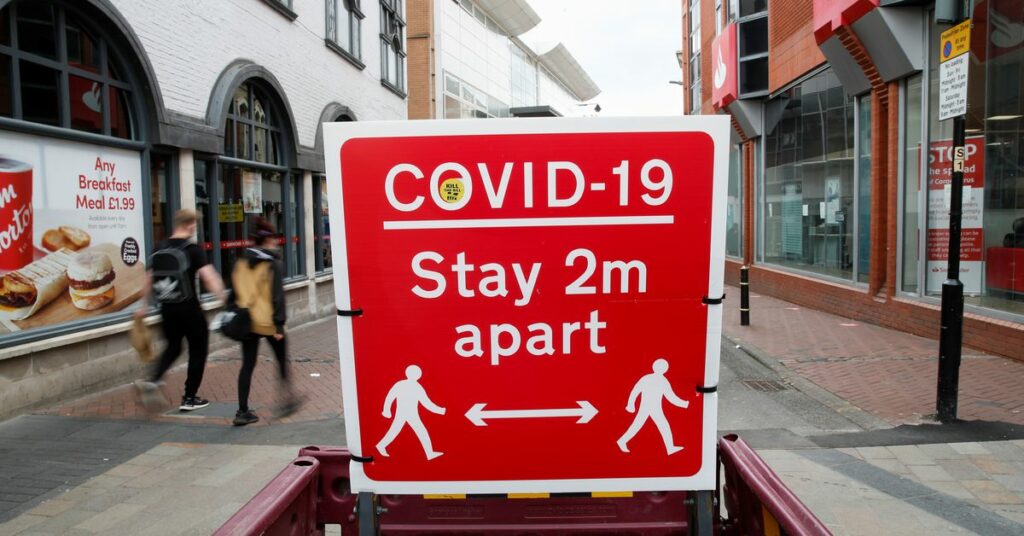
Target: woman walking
pixel 258 285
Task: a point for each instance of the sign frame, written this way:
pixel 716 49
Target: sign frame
pixel 337 134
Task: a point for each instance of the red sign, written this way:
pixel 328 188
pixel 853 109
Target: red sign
pixel 723 68
pixel 829 15
pixel 532 302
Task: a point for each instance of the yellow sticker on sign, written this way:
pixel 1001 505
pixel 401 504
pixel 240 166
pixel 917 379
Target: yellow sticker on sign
pixel 955 41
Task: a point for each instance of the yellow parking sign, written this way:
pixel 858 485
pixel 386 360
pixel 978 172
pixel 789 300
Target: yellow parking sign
pixel 955 41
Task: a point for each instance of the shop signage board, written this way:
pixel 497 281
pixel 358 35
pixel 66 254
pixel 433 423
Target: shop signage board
pixel 535 301
pixel 954 62
pixel 72 231
pixel 724 86
pixel 941 163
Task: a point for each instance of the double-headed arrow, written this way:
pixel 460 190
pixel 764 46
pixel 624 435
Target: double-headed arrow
pixel 478 416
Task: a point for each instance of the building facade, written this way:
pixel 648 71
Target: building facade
pixel 116 113
pixel 838 196
pixel 466 61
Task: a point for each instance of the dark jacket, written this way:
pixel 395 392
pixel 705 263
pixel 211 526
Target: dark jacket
pixel 257 282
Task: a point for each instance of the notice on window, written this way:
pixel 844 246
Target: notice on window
pixel 972 237
pixel 252 192
pixel 72 236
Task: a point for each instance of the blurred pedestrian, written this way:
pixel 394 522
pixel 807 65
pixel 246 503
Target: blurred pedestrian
pixel 171 283
pixel 257 282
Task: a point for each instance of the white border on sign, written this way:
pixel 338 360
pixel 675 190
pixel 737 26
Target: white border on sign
pixel 335 136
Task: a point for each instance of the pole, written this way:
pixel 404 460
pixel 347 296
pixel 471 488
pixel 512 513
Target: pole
pixel 744 295
pixel 366 510
pixel 705 513
pixel 951 333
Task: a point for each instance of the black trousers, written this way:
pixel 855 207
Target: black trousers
pixel 250 351
pixel 190 325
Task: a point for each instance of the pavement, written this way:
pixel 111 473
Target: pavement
pixel 839 409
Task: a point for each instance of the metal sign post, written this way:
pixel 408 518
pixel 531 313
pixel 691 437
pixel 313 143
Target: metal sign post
pixel 954 48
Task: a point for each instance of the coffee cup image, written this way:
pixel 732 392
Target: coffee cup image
pixel 91 281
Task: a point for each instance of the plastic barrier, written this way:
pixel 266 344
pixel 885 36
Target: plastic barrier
pixel 755 498
pixel 287 505
pixel 306 496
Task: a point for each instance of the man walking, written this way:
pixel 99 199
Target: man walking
pixel 171 281
pixel 652 389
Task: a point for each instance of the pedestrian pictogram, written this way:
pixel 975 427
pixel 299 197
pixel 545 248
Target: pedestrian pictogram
pixel 652 390
pixel 406 397
pixel 539 302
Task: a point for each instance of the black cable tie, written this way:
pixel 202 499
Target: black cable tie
pixel 361 459
pixel 712 301
pixel 350 312
pixel 703 389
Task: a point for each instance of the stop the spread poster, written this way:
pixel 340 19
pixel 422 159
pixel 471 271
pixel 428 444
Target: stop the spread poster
pixel 72 234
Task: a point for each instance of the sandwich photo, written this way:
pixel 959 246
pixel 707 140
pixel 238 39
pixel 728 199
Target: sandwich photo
pixel 26 290
pixel 91 280
pixel 67 237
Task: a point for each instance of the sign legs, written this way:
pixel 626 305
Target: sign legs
pixel 366 509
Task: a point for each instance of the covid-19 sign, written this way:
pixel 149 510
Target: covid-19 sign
pixel 530 305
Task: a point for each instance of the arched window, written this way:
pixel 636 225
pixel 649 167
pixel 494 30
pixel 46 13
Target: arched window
pixel 57 69
pixel 250 132
pixel 252 178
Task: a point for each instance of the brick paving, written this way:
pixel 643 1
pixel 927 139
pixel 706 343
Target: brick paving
pixel 313 366
pixel 888 373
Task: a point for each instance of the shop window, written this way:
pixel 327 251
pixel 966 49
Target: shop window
pixel 344 29
pixel 863 203
pixel 61 82
pixel 810 181
pixel 163 194
pixel 992 248
pixel 392 45
pixel 78 196
pixel 251 180
pixel 734 211
pixel 912 177
pixel 322 224
pixel 463 101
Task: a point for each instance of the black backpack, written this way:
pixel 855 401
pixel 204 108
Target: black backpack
pixel 170 274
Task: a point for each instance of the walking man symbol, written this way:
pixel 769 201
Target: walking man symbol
pixel 407 395
pixel 651 389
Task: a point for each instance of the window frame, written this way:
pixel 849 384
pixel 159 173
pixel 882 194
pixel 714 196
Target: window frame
pixel 354 16
pixel 65 71
pixel 391 11
pixel 284 7
pixel 694 53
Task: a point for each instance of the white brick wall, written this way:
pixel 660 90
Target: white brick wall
pixel 190 42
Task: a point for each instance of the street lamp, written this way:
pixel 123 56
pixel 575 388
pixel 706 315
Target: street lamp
pixel 676 82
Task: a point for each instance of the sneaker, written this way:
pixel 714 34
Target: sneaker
pixel 192 403
pixel 151 397
pixel 243 418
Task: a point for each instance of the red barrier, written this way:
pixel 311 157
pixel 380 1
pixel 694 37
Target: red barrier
pixel 286 506
pixel 756 499
pixel 314 491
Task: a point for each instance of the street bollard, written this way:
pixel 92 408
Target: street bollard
pixel 744 295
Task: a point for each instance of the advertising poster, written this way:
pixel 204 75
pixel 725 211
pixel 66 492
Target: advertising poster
pixel 72 232
pixel 972 239
pixel 252 192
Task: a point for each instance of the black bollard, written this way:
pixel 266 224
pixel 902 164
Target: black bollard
pixel 744 295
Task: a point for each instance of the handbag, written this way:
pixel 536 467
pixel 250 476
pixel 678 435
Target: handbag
pixel 236 324
pixel 141 340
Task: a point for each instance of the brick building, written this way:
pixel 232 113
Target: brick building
pixel 115 113
pixel 837 196
pixel 466 60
